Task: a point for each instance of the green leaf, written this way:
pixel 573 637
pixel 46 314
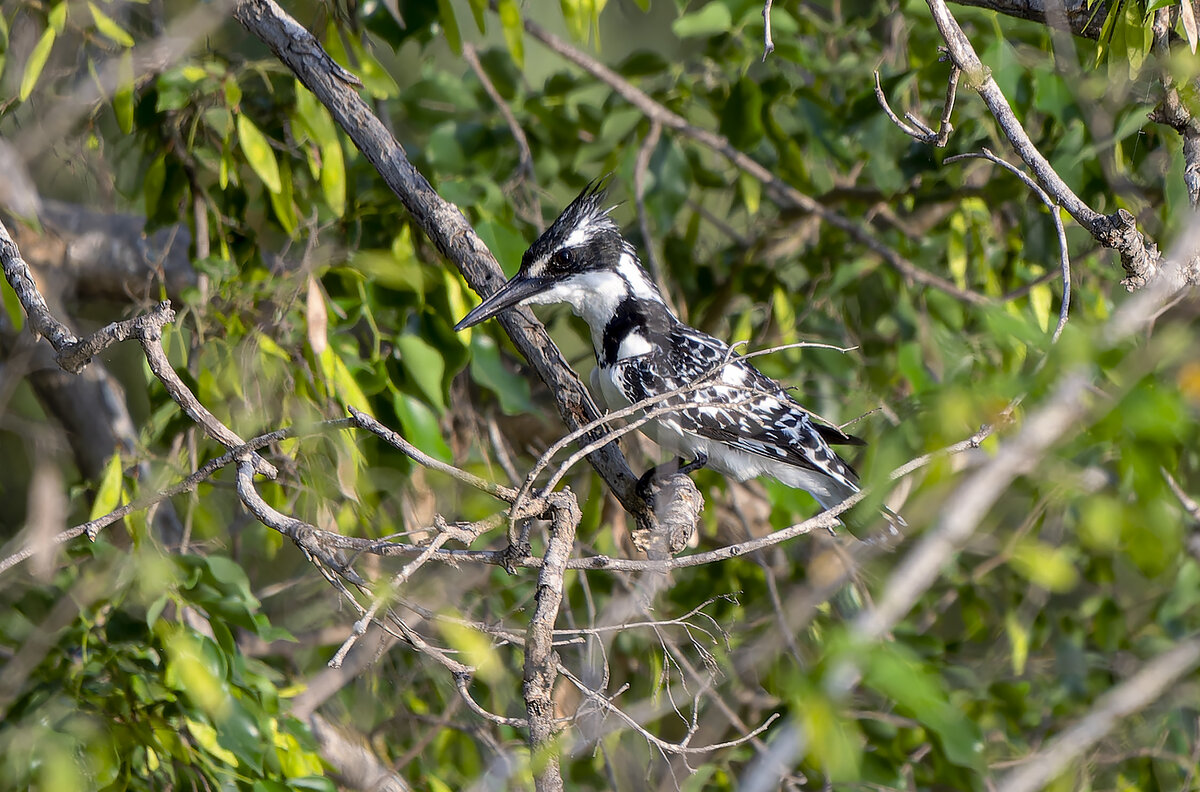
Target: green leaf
pixel 741 120
pixel 1045 565
pixel 1041 300
pixel 283 201
pixel 714 18
pixel 450 26
pixel 333 177
pixel 420 425
pixel 36 62
pixel 258 153
pixel 577 18
pixel 1018 639
pixel 206 738
pixel 479 11
pixel 424 366
pixel 108 493
pixel 152 187
pixel 109 28
pixel 57 18
pixel 488 369
pixel 344 384
pixel 894 672
pixel 751 191
pixel 514 32
pixel 122 101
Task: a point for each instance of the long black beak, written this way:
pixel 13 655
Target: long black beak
pixel 519 288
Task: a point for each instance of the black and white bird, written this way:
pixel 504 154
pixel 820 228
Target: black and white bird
pixel 740 423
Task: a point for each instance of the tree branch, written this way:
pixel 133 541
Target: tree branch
pixel 1139 256
pixel 441 221
pixel 541 661
pixel 1084 19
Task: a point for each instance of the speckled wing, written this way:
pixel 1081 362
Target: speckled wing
pixel 742 408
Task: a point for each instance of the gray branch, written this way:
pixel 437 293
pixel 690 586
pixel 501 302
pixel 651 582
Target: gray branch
pixel 444 224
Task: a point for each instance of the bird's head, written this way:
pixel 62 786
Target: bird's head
pixel 581 259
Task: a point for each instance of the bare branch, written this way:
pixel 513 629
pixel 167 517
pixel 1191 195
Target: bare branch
pixel 768 43
pixel 506 494
pixel 541 661
pixel 1139 256
pixel 1083 18
pixel 1172 111
pixel 921 132
pixel 1064 256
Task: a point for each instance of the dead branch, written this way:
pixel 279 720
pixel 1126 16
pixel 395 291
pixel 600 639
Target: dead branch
pixel 1140 256
pixel 1064 256
pixel 916 128
pixel 1084 19
pixel 541 661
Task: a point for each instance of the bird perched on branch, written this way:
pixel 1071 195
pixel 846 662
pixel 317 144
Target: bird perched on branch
pixel 718 411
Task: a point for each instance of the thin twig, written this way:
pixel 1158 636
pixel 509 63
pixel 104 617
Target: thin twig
pixel 1064 256
pixel 768 43
pixel 917 129
pixel 361 419
pixel 639 196
pixel 525 156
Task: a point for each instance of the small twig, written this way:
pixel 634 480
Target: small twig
pixel 525 156
pixel 1064 256
pixel 1185 500
pixel 768 43
pixel 658 742
pixel 917 129
pixel 361 419
pixel 446 532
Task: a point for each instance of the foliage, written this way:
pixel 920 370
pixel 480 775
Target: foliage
pixel 321 293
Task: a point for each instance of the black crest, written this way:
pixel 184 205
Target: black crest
pixel 586 211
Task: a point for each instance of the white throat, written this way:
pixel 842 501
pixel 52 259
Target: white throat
pixel 594 296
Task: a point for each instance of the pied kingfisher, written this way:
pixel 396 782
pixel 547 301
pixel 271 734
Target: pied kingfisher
pixel 740 423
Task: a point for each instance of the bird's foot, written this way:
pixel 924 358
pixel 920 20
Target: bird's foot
pixel 515 551
pixel 696 464
pixel 646 482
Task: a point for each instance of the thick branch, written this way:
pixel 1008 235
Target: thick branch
pixel 1139 256
pixel 541 661
pixel 1083 19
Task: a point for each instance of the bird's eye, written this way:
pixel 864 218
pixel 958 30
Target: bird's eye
pixel 563 259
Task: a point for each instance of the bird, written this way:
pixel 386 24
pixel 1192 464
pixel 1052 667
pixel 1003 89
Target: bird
pixel 733 419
